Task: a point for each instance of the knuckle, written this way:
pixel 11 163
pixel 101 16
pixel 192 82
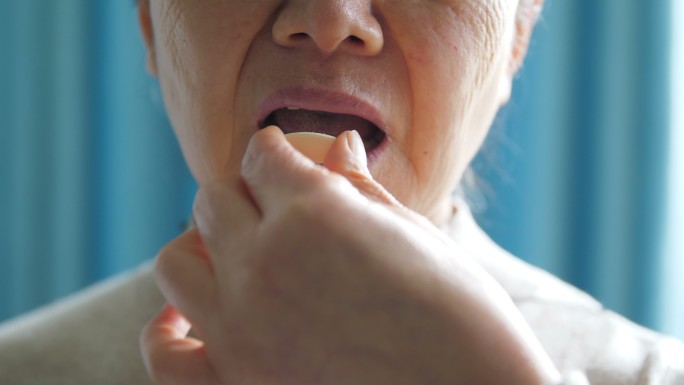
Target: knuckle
pixel 208 195
pixel 313 208
pixel 165 265
pixel 162 262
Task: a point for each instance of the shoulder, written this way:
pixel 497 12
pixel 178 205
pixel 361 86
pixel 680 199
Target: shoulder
pixel 576 330
pixel 608 348
pixel 88 338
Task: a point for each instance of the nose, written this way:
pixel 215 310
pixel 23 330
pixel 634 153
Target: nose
pixel 329 26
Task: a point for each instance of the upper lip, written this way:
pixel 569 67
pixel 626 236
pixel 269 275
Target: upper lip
pixel 320 100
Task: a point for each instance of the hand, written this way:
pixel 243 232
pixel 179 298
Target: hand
pixel 298 274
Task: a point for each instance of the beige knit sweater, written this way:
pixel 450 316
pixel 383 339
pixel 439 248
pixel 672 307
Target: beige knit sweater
pixel 92 338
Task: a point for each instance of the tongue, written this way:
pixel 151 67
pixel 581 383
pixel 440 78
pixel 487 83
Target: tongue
pixel 322 122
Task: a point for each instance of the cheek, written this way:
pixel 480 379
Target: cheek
pixel 453 59
pixel 445 60
pixel 200 49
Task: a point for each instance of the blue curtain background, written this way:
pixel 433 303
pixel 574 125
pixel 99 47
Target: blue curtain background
pixel 92 179
pixel 673 267
pixel 573 177
pixel 576 174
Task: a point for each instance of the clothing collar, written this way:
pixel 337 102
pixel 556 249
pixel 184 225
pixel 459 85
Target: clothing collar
pixel 519 279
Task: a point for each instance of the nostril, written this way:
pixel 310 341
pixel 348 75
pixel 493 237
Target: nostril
pixel 327 26
pixel 299 36
pixel 356 40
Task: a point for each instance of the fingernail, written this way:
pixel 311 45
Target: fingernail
pixel 355 144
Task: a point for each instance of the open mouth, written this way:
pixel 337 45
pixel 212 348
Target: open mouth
pixel 292 119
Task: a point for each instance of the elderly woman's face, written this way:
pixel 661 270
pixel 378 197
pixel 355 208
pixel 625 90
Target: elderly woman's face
pixel 421 80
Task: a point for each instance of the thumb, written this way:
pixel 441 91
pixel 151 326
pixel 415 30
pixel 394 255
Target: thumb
pixel 347 157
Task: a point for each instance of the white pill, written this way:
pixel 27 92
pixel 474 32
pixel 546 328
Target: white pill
pixel 313 145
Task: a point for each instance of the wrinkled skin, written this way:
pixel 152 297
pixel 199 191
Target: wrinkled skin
pixel 302 274
pixel 438 70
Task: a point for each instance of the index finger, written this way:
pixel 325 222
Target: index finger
pixel 226 215
pixel 274 171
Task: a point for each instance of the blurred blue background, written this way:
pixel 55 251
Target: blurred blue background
pixel 577 176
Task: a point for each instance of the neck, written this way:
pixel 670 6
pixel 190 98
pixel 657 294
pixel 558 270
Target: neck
pixel 443 213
